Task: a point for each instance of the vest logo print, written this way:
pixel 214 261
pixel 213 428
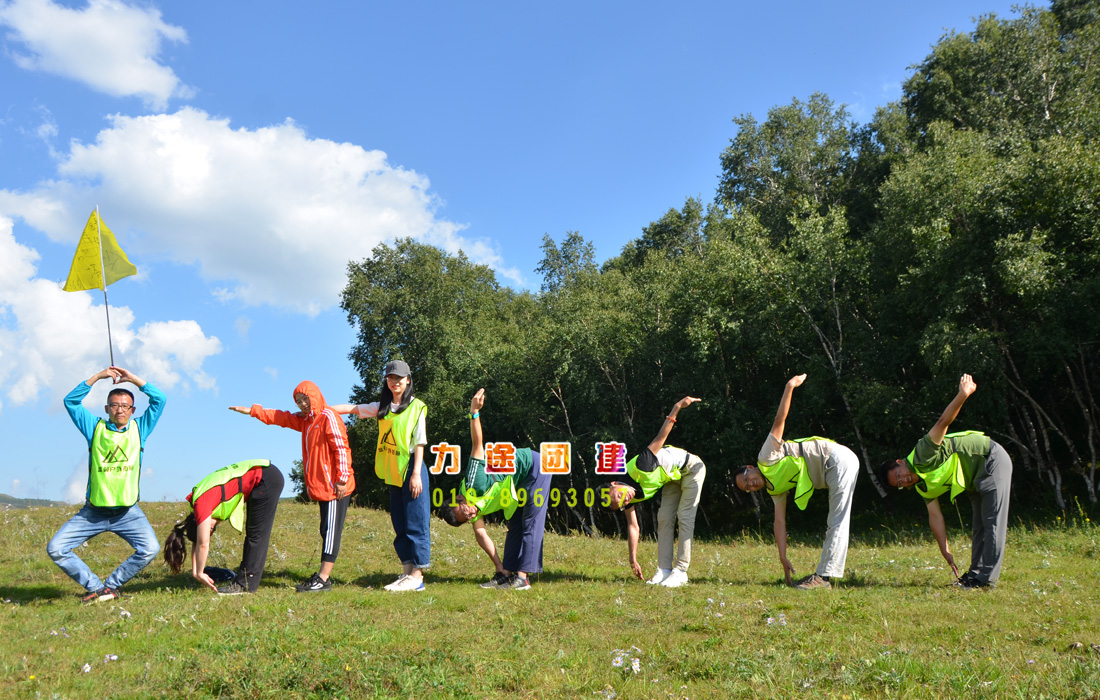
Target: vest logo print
pixel 116 455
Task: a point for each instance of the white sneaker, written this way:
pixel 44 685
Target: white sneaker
pixel 676 579
pixel 660 576
pixel 390 586
pixel 408 583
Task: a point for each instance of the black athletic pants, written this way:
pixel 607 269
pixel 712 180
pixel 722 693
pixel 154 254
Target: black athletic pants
pixel 262 503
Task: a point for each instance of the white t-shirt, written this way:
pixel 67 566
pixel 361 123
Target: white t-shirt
pixel 815 452
pixel 370 410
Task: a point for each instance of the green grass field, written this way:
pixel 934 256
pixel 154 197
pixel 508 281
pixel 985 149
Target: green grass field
pixel 892 629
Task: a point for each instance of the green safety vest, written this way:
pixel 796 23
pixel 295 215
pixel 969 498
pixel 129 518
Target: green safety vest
pixel 790 472
pixel 114 466
pixel 395 433
pixel 231 482
pixel 948 475
pixel 500 496
pixel 651 482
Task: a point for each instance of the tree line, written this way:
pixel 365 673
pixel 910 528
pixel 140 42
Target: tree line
pixel 957 231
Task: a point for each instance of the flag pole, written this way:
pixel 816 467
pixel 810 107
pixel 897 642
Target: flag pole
pixel 103 280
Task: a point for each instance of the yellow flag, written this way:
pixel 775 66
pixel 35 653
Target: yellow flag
pixel 87 271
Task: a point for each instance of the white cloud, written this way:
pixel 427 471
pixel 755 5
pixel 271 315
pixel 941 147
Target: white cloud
pixel 76 486
pixel 243 324
pixel 109 45
pixel 15 484
pixel 271 215
pixel 43 329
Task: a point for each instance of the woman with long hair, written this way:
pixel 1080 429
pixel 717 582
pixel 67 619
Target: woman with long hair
pixel 222 496
pixel 399 461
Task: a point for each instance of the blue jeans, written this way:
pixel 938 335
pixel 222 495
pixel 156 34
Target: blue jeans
pixel 128 523
pixel 410 517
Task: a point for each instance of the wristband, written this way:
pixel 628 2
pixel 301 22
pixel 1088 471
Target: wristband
pixel 474 415
pixel 670 418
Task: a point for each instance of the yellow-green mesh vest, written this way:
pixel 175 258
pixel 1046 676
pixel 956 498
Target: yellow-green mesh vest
pixel 114 466
pixel 235 508
pixel 395 432
pixel 949 475
pixel 790 472
pixel 651 482
pixel 500 496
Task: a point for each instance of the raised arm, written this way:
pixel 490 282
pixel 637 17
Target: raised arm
pixel 477 438
pixel 966 388
pixel 199 552
pixel 784 407
pixel 666 428
pixel 939 531
pixel 125 375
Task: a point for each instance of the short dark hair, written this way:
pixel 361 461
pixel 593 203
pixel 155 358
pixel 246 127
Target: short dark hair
pixel 883 472
pixel 447 514
pixel 120 391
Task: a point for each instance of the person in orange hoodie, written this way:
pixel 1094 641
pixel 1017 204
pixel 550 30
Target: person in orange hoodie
pixel 326 463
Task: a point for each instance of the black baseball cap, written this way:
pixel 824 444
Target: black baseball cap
pixel 398 367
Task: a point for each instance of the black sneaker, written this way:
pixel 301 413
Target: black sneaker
pixel 517 583
pixel 91 597
pixel 965 581
pixel 315 584
pixel 498 580
pixel 109 593
pixel 232 588
pixel 219 574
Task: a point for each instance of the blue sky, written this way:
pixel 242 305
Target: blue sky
pixel 244 152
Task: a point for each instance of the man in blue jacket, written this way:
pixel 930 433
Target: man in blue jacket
pixel 115 448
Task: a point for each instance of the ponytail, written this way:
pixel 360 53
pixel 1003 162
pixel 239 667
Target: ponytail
pixel 175 546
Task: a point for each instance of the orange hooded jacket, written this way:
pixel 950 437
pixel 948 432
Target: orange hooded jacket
pixel 325 453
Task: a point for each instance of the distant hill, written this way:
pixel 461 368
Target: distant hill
pixel 7 501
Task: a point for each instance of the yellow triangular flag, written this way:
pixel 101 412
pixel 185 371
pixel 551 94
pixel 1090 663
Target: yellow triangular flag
pixel 87 271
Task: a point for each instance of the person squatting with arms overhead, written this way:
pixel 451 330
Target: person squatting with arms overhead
pixel 802 465
pixel 399 461
pixel 223 496
pixel 326 466
pixel 678 476
pixel 115 450
pixel 488 493
pixel 954 463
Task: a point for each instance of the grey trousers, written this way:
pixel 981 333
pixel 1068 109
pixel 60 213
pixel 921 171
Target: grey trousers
pixel 840 474
pixel 989 501
pixel 679 503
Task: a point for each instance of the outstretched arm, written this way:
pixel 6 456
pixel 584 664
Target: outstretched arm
pixel 966 388
pixel 939 531
pixel 477 438
pixel 633 534
pixel 199 552
pixel 666 427
pixel 779 529
pixel 486 543
pixel 784 407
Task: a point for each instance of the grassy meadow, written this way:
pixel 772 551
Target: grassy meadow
pixel 893 628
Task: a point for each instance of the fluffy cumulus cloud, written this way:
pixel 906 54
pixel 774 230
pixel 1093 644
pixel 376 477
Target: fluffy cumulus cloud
pixel 111 46
pixel 47 334
pixel 269 215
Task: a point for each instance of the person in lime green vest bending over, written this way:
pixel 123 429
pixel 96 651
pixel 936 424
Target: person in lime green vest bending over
pixel 115 449
pixel 246 494
pixel 802 465
pixel 526 491
pixel 953 463
pixel 678 476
